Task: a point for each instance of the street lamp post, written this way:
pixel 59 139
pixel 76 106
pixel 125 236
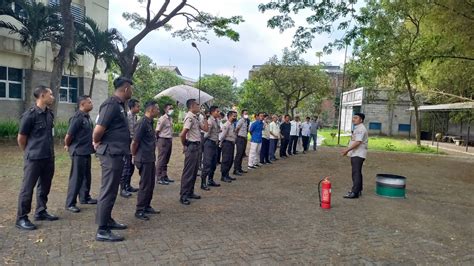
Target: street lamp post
pixel 199 82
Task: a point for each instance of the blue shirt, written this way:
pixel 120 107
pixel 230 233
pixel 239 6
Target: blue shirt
pixel 256 131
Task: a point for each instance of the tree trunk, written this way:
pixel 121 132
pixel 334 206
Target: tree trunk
pixel 415 106
pixel 66 46
pixel 128 62
pixel 94 69
pixel 287 107
pixel 29 81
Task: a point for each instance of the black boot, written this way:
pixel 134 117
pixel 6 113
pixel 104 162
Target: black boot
pixel 124 192
pixel 212 183
pixel 204 184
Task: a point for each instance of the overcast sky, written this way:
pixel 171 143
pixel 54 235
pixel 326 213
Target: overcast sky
pixel 257 42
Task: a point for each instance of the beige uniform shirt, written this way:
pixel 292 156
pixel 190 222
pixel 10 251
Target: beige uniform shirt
pixel 214 129
pixel 165 127
pixel 191 123
pixel 359 134
pixel 228 133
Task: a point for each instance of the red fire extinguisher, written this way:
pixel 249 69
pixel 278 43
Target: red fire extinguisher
pixel 324 190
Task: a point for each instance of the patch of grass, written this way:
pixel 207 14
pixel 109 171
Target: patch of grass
pixel 377 143
pixel 8 129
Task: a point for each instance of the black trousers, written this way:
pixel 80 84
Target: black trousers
pixel 112 167
pixel 356 163
pixel 219 153
pixel 240 144
pixel 127 172
pixel 192 154
pixel 79 180
pixel 35 171
pixel 292 145
pixel 209 160
pixel 147 184
pixel 284 146
pixel 305 142
pixel 265 151
pixel 272 148
pixel 164 147
pixel 227 157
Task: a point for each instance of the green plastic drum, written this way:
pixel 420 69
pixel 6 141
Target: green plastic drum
pixel 390 186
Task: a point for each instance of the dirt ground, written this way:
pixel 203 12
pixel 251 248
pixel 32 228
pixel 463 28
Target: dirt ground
pixel 270 216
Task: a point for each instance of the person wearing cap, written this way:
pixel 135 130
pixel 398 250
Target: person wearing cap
pixel 357 150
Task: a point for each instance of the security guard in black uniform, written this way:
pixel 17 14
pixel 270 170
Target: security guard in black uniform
pixel 143 156
pixel 78 142
pixel 35 138
pixel 111 140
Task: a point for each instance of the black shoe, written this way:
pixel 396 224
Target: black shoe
pixel 237 173
pixel 108 236
pixel 169 180
pixel 226 180
pixel 141 216
pixel 73 209
pixel 184 201
pixel 25 224
pixel 252 167
pixel 263 163
pixel 45 216
pixel 205 187
pixel 150 210
pixel 132 189
pixel 113 225
pixel 269 162
pixel 163 182
pixel 351 195
pixel 211 183
pixel 125 194
pixel 231 178
pixel 90 201
pixel 243 171
pixel 276 159
pixel 194 196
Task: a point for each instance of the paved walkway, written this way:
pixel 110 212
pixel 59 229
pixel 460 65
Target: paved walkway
pixel 271 216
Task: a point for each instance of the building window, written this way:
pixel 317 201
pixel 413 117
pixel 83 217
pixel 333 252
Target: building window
pixel 78 11
pixel 404 127
pixel 68 90
pixel 375 126
pixel 11 83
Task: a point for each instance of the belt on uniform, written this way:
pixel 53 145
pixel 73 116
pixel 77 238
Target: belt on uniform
pixel 241 137
pixel 192 142
pixel 213 141
pixel 228 141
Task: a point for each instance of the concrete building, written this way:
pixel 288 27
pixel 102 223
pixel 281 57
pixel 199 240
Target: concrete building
pixel 187 80
pixel 15 64
pixel 384 114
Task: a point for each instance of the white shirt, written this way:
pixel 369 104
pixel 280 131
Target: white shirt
pixel 275 129
pixel 306 129
pixel 359 134
pixel 295 128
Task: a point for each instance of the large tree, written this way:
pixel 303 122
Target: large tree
pixel 34 23
pixel 66 43
pixel 293 79
pixel 221 87
pixel 257 96
pixel 98 43
pixel 160 15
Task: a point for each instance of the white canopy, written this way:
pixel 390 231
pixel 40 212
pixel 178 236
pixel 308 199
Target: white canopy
pixel 182 93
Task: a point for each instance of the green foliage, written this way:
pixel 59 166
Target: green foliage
pixel 60 129
pixel 164 100
pixel 221 88
pixel 256 96
pixel 177 127
pixel 8 129
pixel 150 80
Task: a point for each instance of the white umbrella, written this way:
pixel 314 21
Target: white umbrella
pixel 182 93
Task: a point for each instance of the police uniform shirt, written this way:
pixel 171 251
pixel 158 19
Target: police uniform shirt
pixel 214 129
pixel 145 135
pixel 38 125
pixel 80 129
pixel 192 123
pixel 242 125
pixel 113 117
pixel 165 127
pixel 228 133
pixel 359 134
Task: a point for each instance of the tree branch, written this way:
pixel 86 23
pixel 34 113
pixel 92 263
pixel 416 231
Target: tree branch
pixel 148 12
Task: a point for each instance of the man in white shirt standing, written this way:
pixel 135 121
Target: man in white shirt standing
pixel 357 150
pixel 294 135
pixel 305 134
pixel 274 137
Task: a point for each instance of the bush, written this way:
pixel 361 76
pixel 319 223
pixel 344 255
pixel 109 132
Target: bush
pixel 8 129
pixel 177 128
pixel 60 129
